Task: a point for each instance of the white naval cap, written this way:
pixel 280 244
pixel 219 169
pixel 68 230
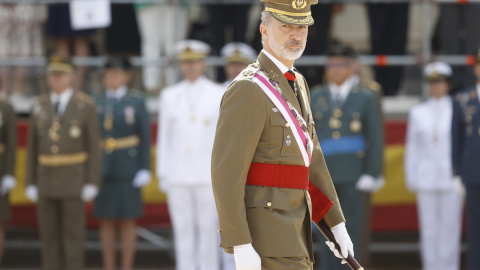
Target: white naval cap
pixel 238 52
pixel 438 71
pixel 190 49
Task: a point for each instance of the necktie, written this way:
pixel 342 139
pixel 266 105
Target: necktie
pixel 290 78
pixel 56 107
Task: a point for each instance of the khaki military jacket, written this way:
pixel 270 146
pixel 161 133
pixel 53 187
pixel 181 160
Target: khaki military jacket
pixel 63 152
pixel 250 129
pixel 8 140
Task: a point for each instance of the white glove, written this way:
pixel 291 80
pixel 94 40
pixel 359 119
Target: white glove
pixel 246 258
pixel 380 183
pixel 89 192
pixel 343 240
pixel 142 178
pixel 32 193
pixel 163 184
pixel 7 183
pixel 366 183
pixel 331 245
pixel 458 186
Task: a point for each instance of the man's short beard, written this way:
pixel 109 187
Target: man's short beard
pixel 284 52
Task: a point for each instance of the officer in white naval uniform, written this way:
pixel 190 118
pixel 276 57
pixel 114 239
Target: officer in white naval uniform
pixel 429 173
pixel 188 115
pixel 237 57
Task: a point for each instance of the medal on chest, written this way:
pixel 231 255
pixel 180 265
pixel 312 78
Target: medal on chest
pixel 356 125
pixel 108 122
pixel 75 132
pixel 129 115
pixel 53 131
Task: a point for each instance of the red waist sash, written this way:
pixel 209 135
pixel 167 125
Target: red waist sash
pixel 289 176
pixel 276 175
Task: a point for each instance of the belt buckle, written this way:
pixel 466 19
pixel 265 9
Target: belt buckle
pixel 109 145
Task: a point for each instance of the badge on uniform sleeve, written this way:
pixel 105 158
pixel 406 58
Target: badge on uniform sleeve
pixel 288 141
pixel 129 115
pixel 75 130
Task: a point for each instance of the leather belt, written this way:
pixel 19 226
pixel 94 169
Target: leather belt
pixel 112 144
pixel 58 160
pixel 276 175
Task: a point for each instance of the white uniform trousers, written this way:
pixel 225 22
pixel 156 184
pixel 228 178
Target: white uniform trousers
pixel 440 216
pixel 228 261
pixel 195 227
pixel 161 26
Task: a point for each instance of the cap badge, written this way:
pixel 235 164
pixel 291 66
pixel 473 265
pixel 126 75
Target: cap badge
pixel 299 4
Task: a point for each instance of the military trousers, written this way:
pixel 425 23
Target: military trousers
pixel 62 231
pixel 4 208
pixel 195 225
pixel 300 263
pixel 352 202
pixel 473 223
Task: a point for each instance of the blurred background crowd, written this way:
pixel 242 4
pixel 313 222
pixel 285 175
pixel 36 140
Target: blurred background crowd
pixel 390 45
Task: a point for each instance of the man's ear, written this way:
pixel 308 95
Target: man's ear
pixel 263 30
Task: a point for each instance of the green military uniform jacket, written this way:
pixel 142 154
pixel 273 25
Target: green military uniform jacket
pixel 8 144
pixel 124 120
pixel 350 135
pixel 130 118
pixel 250 130
pixel 63 155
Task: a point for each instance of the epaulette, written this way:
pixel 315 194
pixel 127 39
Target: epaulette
pixel 374 86
pixel 84 97
pixel 251 70
pixel 135 92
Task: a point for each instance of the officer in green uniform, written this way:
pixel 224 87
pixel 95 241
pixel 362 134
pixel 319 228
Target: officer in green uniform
pixel 8 144
pixel 347 121
pixel 125 131
pixel 63 166
pixel 376 88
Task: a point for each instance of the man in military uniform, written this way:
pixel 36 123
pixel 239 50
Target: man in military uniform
pixel 63 165
pixel 237 56
pixel 466 157
pixel 8 145
pixel 265 189
pixel 188 113
pixel 367 83
pixel 350 133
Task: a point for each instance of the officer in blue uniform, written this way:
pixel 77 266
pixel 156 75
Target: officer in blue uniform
pixel 125 132
pixel 349 129
pixel 466 158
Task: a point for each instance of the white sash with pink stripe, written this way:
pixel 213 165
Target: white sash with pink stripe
pixel 302 137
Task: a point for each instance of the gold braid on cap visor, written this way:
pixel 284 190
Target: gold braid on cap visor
pixel 278 11
pixel 304 21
